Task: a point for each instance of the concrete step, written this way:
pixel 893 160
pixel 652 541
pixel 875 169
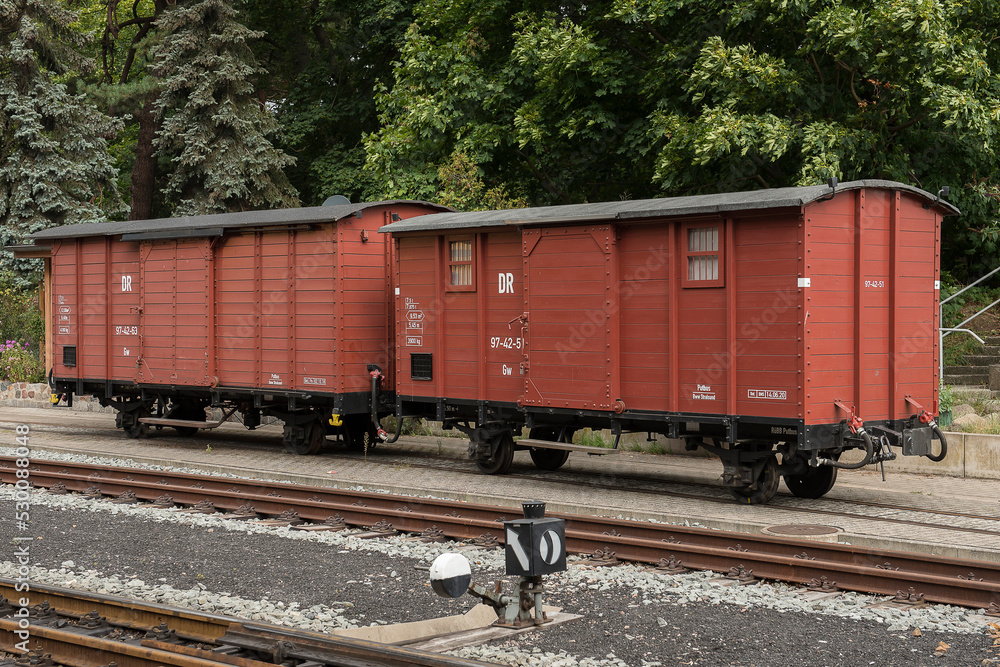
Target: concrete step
pixel 963 393
pixel 966 370
pixel 983 379
pixel 984 360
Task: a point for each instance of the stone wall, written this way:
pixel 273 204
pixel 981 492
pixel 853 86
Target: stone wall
pixel 24 395
pixel 30 395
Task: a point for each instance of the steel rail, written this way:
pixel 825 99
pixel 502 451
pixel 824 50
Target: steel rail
pixel 963 582
pixel 624 485
pixel 333 650
pixel 131 614
pixel 77 650
pixel 280 643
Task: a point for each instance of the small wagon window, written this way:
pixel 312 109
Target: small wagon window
pixel 703 253
pixel 461 265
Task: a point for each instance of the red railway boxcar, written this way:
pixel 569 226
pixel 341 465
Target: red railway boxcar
pixel 790 324
pixel 283 313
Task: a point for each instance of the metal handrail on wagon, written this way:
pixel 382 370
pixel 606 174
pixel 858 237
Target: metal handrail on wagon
pixel 944 331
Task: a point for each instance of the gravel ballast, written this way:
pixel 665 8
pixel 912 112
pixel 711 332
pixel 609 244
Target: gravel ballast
pixel 324 581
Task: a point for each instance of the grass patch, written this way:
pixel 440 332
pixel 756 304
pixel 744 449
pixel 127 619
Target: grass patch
pixel 590 438
pixel 984 405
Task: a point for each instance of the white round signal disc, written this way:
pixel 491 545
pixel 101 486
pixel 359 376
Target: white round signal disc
pixel 451 575
pixel 550 547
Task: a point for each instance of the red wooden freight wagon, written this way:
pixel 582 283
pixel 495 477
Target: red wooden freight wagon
pixel 283 313
pixel 799 322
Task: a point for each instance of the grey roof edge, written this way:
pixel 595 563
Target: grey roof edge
pixel 242 219
pixel 712 204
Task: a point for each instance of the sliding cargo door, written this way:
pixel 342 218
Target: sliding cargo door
pixel 570 325
pixel 276 310
pixel 175 286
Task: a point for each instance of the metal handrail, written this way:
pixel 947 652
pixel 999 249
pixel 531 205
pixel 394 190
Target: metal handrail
pixel 970 286
pixel 944 331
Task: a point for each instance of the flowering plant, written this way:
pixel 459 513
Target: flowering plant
pixel 19 364
pixel 20 315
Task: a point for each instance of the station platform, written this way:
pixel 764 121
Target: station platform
pixel 929 508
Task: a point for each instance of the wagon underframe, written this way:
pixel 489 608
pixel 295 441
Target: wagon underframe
pixel 748 446
pixel 308 417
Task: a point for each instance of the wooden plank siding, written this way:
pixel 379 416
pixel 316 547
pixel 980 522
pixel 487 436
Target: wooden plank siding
pixel 303 307
pixel 871 331
pixel 831 302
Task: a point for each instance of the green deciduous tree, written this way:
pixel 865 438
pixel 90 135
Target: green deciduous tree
pixel 54 164
pixel 547 103
pixel 463 189
pixel 215 130
pixel 628 98
pixel 792 93
pixel 323 59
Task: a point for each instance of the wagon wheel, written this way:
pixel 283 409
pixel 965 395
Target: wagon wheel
pixel 357 431
pixel 313 438
pixel 499 462
pixel 813 483
pixel 136 429
pixel 549 459
pixel 767 485
pixel 128 421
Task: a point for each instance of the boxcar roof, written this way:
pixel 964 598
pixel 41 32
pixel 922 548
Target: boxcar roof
pixel 648 208
pixel 216 224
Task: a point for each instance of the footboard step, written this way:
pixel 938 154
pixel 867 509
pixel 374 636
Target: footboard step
pixel 549 444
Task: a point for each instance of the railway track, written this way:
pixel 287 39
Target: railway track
pixel 655 485
pixel 913 578
pixel 81 629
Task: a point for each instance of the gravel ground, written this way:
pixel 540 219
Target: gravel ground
pixel 320 581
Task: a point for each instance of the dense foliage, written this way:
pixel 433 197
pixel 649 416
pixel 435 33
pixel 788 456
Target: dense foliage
pixel 18 363
pixel 323 60
pixel 54 162
pixel 631 98
pixel 20 317
pixel 213 129
pixel 201 105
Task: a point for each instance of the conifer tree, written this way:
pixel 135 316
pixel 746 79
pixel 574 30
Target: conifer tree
pixel 54 164
pixel 215 130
